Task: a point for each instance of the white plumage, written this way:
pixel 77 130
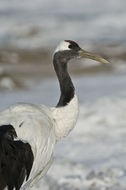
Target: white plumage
pixel 41 126
pixel 64 45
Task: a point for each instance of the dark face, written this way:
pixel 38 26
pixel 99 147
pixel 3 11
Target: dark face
pixel 73 46
pixel 68 51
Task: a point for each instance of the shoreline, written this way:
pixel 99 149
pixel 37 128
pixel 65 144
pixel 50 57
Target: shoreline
pixel 18 64
pixel 29 61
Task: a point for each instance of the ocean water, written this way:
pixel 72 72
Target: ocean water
pixel 93 156
pixel 41 23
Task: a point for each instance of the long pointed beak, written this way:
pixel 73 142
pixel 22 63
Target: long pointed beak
pixel 86 54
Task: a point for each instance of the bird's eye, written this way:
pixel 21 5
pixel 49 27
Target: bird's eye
pixel 70 46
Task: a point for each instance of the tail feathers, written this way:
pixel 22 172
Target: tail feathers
pixel 16 159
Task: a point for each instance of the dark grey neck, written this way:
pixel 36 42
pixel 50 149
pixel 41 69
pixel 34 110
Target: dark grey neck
pixel 66 85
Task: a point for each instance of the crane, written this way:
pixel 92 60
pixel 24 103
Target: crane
pixel 29 132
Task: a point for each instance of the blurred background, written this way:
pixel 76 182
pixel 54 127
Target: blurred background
pixel 93 156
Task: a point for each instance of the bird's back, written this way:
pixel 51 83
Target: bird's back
pixel 33 124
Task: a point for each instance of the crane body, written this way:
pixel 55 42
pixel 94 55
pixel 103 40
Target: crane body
pixel 29 132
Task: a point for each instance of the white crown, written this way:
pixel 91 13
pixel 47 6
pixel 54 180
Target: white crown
pixel 62 46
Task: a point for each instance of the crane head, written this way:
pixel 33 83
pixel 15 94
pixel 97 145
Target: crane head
pixel 69 49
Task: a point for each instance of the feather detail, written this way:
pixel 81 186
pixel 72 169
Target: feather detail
pixel 65 118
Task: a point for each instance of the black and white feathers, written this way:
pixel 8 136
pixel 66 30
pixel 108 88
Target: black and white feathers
pixel 16 159
pixel 26 159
